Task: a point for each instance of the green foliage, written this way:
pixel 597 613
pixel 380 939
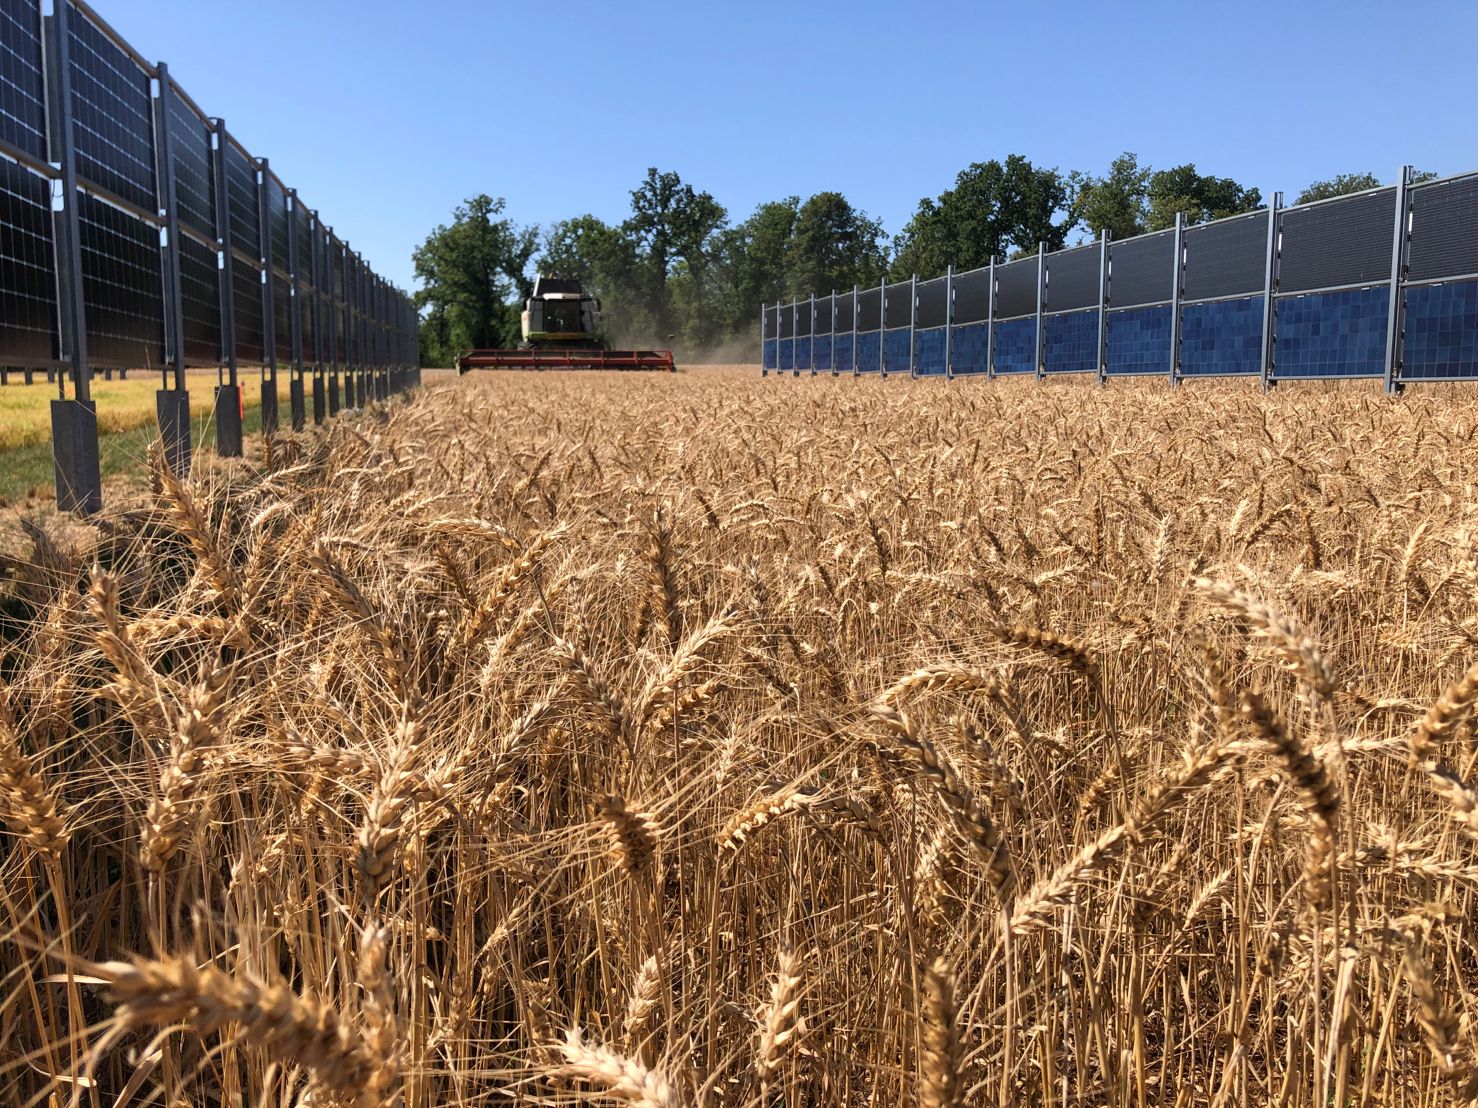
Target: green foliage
pixel 1196 196
pixel 676 272
pixel 671 224
pixel 834 246
pixel 756 254
pixel 1341 184
pixel 473 273
pixel 1117 202
pixel 993 208
pixel 605 261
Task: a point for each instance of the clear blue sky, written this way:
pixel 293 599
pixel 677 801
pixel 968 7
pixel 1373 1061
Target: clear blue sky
pixel 386 115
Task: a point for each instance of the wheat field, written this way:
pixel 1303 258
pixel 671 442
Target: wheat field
pixel 717 741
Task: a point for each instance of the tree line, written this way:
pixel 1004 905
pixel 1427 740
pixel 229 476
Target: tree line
pixel 677 272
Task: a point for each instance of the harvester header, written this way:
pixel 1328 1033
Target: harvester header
pixel 561 330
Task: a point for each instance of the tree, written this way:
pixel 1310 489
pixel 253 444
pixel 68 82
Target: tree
pixel 834 246
pixel 473 274
pixel 670 221
pixel 1196 196
pixel 1339 185
pixel 750 260
pixel 992 207
pixel 1342 184
pixel 1117 202
pixel 605 262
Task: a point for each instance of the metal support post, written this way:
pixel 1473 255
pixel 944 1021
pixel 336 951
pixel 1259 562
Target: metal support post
pixel 1103 297
pixel 228 395
pixel 331 321
pixel 295 317
pixel 351 398
pixel 1041 300
pixel 1396 309
pixel 832 361
pixel 990 322
pixel 172 405
pixel 795 328
pixel 855 297
pixel 269 314
pixel 1270 288
pixel 764 366
pixel 74 424
pixel 913 318
pixel 883 329
pixel 361 352
pixel 320 266
pixel 1175 287
pixel 949 322
pixel 813 334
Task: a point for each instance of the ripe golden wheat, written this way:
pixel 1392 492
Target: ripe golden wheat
pixel 716 741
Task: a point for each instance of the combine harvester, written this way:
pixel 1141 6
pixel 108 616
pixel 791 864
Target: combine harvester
pixel 561 330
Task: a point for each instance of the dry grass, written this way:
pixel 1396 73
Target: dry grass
pixel 25 410
pixel 710 740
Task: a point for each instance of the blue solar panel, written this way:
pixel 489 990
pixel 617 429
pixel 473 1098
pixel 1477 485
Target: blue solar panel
pixel 968 348
pixel 821 348
pixel 1331 334
pixel 771 354
pixel 897 350
pixel 787 354
pixel 928 352
pixel 1441 332
pixel 1016 346
pixel 1070 342
pixel 1222 337
pixel 841 359
pixel 869 345
pixel 1139 340
pixel 802 352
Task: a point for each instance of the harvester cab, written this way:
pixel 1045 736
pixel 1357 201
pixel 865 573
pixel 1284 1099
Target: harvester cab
pixel 561 314
pixel 560 328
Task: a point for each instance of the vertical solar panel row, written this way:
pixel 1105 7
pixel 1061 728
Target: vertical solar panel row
pixel 136 233
pixel 28 311
pixel 1377 284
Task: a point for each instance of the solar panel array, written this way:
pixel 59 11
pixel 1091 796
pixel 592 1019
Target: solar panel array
pixel 1380 284
pixel 146 158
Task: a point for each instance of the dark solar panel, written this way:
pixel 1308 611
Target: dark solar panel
pixel 282 307
pixel 276 222
pixel 1016 288
pixel 972 296
pixel 843 321
pixel 112 115
pixel 1444 230
pixel 1226 258
pixel 1342 242
pixel 121 283
pixel 27 285
pixel 1072 278
pixel 933 309
pixel 1142 270
pixel 897 305
pixel 802 317
pixel 194 168
pixel 241 202
pixel 246 300
pixel 22 94
pixel 200 294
